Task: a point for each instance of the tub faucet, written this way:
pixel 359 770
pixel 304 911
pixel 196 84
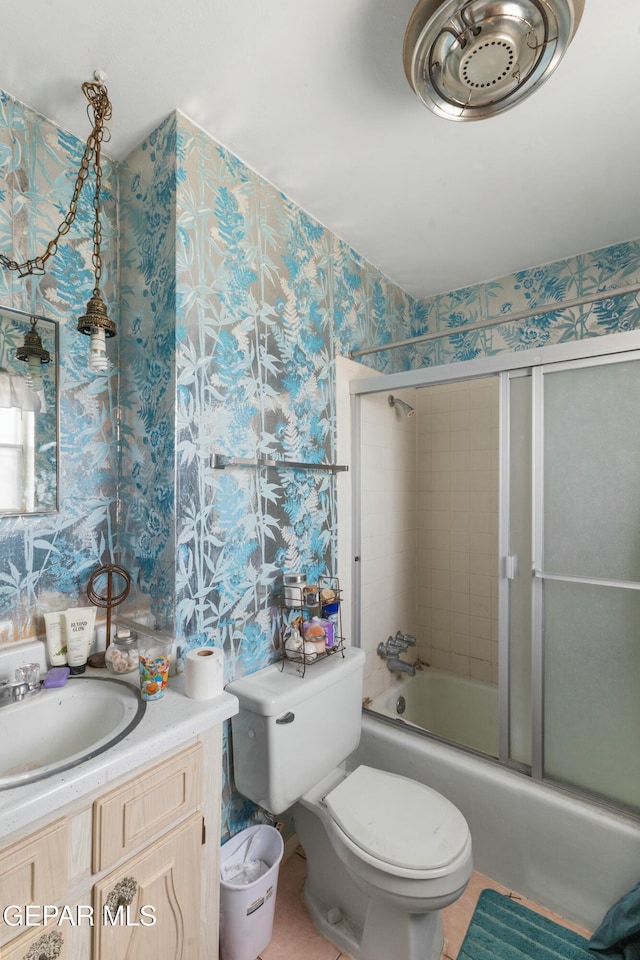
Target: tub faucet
pixel 396 665
pixel 393 648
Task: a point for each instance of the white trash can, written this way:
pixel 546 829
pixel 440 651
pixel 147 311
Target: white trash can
pixel 249 864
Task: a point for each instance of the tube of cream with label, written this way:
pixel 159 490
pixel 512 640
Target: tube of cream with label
pixel 56 638
pixel 79 623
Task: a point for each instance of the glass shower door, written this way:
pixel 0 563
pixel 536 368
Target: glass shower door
pixel 586 606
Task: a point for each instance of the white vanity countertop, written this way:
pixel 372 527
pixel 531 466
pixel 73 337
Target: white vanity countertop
pixel 167 724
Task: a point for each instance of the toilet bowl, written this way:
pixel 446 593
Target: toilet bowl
pixel 385 854
pixel 405 849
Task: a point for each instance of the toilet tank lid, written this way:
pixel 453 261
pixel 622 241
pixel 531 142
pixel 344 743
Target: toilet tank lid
pixel 397 820
pixel 272 690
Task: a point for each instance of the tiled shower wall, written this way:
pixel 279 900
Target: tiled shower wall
pixel 429 527
pixel 388 532
pixel 457 558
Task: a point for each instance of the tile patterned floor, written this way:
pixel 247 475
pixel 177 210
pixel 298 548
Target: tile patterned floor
pixel 295 937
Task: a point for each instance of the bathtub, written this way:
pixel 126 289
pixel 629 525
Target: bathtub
pixel 575 857
pixel 456 708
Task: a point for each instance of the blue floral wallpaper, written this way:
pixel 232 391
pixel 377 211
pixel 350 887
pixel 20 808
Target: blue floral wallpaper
pixel 232 304
pixel 231 289
pixel 148 336
pixel 572 279
pixel 46 561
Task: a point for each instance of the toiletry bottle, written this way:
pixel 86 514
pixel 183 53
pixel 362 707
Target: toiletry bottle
pixel 56 638
pixel 312 600
pixel 79 622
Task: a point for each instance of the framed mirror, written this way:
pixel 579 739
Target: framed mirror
pixel 29 453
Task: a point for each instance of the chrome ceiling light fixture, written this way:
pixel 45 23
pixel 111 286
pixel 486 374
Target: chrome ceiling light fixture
pixel 473 59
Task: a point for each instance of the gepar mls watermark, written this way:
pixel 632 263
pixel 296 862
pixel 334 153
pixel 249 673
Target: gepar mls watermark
pixel 78 915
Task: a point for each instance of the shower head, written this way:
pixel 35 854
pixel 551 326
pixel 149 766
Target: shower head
pixel 396 402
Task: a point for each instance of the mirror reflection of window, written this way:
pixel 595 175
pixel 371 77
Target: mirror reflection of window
pixel 17 444
pixel 11 460
pixel 28 419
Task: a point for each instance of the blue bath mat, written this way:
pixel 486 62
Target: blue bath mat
pixel 502 929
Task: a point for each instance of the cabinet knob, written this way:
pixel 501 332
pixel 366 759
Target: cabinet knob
pixel 46 947
pixel 122 895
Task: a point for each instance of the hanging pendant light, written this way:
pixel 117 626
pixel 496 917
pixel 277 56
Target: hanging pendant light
pixel 34 355
pixel 95 322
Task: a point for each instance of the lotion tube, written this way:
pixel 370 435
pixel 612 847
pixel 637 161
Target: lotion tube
pixel 56 638
pixel 79 623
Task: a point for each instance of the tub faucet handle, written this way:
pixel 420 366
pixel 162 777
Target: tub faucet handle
pixel 402 640
pixel 382 648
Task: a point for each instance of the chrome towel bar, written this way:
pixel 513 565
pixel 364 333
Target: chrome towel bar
pixel 221 462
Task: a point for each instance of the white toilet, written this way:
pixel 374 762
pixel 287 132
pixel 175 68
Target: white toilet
pixel 384 853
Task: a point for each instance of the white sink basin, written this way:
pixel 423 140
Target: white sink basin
pixel 60 728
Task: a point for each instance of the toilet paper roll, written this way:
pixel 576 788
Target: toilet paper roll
pixel 204 673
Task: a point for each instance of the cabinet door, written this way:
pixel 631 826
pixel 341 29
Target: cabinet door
pixel 37 943
pixel 149 908
pixel 34 870
pixel 128 816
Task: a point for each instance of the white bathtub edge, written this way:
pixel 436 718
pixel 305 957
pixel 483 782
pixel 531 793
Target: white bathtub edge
pixel 569 855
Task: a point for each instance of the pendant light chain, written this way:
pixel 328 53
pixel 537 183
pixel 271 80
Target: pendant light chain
pixel 97 134
pixel 96 94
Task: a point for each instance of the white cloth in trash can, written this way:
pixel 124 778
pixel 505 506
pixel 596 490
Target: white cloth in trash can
pixel 245 872
pixel 240 868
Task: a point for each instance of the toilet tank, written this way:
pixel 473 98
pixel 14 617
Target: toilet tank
pixel 291 731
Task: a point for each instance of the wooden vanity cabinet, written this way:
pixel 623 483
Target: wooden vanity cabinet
pixel 150 906
pixel 127 817
pixel 134 859
pixel 157 894
pixel 33 870
pixel 37 943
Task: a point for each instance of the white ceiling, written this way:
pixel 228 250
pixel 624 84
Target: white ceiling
pixel 313 96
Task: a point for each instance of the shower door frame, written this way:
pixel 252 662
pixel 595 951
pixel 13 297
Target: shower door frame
pixel 507 366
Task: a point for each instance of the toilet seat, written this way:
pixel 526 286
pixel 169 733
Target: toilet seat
pixel 398 824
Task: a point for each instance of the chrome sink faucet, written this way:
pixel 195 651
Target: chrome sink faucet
pixel 391 652
pixel 26 683
pixel 13 692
